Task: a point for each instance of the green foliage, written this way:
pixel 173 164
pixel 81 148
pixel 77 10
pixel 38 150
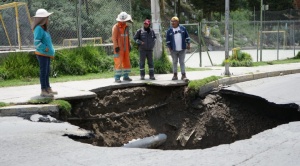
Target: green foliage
pixel 82 60
pixel 40 101
pixel 2 104
pixel 242 59
pixel 163 64
pixel 195 85
pixel 19 65
pixel 134 58
pixel 215 32
pixel 64 107
pixel 77 61
pixel 297 56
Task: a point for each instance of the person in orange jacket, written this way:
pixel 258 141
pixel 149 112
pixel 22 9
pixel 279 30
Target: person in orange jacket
pixel 121 45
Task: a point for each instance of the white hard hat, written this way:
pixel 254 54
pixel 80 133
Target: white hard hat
pixel 42 13
pixel 123 17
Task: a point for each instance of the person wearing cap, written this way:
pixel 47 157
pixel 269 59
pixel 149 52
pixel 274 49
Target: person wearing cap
pixel 145 38
pixel 178 40
pixel 44 49
pixel 121 46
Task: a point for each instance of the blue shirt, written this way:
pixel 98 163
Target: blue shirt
pixel 42 40
pixel 171 40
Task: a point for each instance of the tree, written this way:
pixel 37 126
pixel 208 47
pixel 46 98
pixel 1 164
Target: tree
pixel 274 5
pixel 210 6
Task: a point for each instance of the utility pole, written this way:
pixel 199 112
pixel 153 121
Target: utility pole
pixel 155 14
pixel 226 37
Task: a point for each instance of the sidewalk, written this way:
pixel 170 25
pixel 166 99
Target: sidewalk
pixel 86 88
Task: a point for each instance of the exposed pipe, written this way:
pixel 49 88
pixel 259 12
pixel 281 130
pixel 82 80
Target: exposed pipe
pixel 148 142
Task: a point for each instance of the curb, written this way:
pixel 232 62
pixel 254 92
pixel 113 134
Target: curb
pixel 28 110
pixel 243 78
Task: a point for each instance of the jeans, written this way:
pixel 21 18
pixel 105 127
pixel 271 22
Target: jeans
pixel 181 56
pixel 149 56
pixel 44 63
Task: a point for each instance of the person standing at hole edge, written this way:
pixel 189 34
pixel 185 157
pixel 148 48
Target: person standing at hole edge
pixel 145 38
pixel 122 47
pixel 178 41
pixel 44 49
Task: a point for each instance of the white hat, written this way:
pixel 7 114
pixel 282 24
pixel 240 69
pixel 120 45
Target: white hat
pixel 123 17
pixel 42 13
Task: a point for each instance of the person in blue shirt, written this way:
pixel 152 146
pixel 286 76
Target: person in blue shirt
pixel 44 49
pixel 178 40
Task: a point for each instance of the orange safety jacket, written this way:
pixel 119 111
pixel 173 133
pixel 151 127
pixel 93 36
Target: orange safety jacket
pixel 120 38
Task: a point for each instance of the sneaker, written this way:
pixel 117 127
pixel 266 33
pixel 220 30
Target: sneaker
pixel 44 93
pixel 152 78
pixel 142 78
pixel 49 90
pixel 118 81
pixel 127 79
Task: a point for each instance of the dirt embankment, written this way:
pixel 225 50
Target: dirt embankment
pixel 119 115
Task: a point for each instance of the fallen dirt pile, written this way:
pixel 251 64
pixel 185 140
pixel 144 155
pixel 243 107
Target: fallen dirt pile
pixel 119 115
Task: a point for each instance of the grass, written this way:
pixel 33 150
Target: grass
pixel 2 104
pixel 66 78
pixel 195 85
pixel 276 62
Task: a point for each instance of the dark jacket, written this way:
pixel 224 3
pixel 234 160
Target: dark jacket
pixel 148 38
pixel 171 41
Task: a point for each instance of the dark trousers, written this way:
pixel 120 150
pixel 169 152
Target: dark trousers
pixel 149 56
pixel 44 63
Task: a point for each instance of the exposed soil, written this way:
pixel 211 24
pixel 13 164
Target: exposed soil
pixel 119 115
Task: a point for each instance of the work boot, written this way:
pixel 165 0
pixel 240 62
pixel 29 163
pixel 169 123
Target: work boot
pixel 142 77
pixel 117 80
pixel 127 79
pixel 152 78
pixel 175 77
pixel 45 93
pixel 49 90
pixel 183 77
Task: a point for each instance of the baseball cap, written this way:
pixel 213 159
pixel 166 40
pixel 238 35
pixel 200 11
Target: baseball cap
pixel 147 21
pixel 174 19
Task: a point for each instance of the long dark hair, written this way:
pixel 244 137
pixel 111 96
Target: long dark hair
pixel 42 21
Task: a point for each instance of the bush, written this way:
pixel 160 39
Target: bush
pixel 297 56
pixel 82 60
pixel 163 64
pixel 243 59
pixel 19 65
pixel 134 58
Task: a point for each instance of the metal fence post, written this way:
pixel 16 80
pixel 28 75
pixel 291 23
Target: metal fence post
pixel 278 40
pixel 79 30
pixel 200 44
pixel 294 38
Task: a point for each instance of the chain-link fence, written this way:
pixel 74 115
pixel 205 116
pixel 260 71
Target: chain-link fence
pixel 88 21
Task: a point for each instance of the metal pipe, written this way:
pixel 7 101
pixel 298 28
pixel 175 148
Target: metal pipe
pixel 5 30
pixel 18 25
